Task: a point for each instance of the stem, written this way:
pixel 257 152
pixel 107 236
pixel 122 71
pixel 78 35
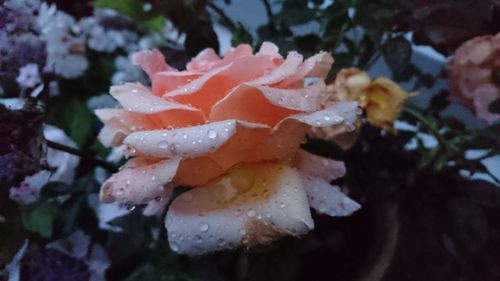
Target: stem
pixel 81 154
pixel 429 126
pixel 224 18
pixel 270 15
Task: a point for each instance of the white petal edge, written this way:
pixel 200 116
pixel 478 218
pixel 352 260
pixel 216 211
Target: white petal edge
pixel 328 199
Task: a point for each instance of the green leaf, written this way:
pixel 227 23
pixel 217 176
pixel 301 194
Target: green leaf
pixel 40 218
pixel 131 8
pixel 72 115
pixel 156 23
pixel 397 54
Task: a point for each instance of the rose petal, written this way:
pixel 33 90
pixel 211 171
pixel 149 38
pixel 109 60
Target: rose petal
pixel 157 206
pixel 286 136
pixel 140 181
pixel 204 61
pixel 152 61
pixel 166 81
pixel 137 98
pixel 187 141
pixel 252 204
pixel 328 199
pixel 111 136
pixel 205 91
pixel 311 165
pixel 316 66
pixel 269 49
pixel 248 103
pixel 245 102
pixel 197 171
pixel 483 97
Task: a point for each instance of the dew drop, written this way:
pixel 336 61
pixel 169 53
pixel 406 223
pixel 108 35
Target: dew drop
pixel 129 206
pixel 153 178
pixel 211 134
pixel 268 215
pixel 251 213
pixel 282 205
pixel 163 145
pixel 327 118
pixel 184 136
pixel 203 227
pixel 158 198
pixel 322 207
pixel 243 231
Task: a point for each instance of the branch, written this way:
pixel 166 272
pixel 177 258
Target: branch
pixel 83 155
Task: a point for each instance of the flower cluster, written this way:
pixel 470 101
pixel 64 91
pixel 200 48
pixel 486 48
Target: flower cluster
pixel 230 128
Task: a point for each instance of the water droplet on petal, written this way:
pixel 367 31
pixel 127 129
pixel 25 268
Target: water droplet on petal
pixel 251 213
pixel 322 207
pixel 163 145
pixel 243 231
pixel 203 227
pixel 282 205
pixel 327 118
pixel 153 178
pixel 211 134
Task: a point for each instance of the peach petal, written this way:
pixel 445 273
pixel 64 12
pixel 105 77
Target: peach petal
pixel 204 61
pixel 268 49
pixel 252 204
pixel 248 103
pixel 137 98
pixel 314 166
pixel 288 68
pixel 166 81
pixel 211 87
pixel 187 141
pixel 316 66
pixel 328 199
pixel 139 182
pixel 309 98
pixel 197 171
pixel 151 61
pixel 286 136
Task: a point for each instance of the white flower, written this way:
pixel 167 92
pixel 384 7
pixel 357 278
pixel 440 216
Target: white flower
pixel 63 41
pixel 28 76
pixel 63 162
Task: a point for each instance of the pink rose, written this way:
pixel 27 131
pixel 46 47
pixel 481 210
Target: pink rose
pixel 470 75
pixel 230 128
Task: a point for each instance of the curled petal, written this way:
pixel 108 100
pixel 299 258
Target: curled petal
pixel 204 61
pixel 152 61
pixel 166 81
pixel 268 48
pixel 187 141
pixel 328 199
pixel 205 91
pixel 140 181
pixel 288 68
pixel 251 205
pixel 316 66
pixel 157 206
pixel 311 165
pixel 137 98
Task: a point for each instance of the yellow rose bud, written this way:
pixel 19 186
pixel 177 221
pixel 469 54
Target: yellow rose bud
pixel 383 102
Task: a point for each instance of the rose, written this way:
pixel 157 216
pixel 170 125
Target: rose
pixel 231 129
pixel 381 99
pixel 472 72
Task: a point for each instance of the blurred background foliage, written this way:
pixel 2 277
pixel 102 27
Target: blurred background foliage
pixel 423 216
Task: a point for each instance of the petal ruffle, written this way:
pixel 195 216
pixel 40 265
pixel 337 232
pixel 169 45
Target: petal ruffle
pixel 252 204
pixel 166 81
pixel 151 61
pixel 140 181
pixel 205 91
pixel 137 98
pixel 311 165
pixel 328 199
